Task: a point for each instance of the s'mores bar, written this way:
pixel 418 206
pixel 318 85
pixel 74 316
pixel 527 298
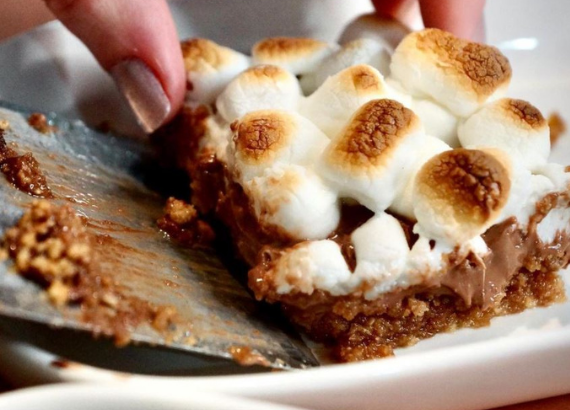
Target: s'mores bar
pixel 379 196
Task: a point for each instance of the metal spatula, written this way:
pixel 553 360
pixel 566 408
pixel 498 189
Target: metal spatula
pixel 101 177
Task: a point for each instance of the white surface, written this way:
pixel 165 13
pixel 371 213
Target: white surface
pixel 517 358
pixel 93 397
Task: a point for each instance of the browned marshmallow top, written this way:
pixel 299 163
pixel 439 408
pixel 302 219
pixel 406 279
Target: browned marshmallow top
pixel 471 184
pixel 373 132
pixel 523 113
pixel 485 67
pixel 259 134
pixel 199 53
pixel 277 49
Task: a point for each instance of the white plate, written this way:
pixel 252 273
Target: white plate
pixel 93 397
pixel 517 358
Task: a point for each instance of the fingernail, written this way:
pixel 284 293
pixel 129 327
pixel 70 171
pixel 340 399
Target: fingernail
pixel 143 93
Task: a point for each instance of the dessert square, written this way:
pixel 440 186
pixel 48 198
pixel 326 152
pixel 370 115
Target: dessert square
pixel 379 196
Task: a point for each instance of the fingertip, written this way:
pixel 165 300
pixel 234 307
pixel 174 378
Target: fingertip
pixel 135 41
pixel 464 18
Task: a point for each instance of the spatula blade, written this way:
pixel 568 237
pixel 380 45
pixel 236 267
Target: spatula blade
pixel 102 177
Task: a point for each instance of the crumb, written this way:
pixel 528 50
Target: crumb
pixel 4 125
pixel 182 222
pixel 40 123
pixel 52 246
pixel 23 171
pixel 244 356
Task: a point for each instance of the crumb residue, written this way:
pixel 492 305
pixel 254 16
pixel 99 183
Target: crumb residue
pixel 52 246
pixel 23 171
pixel 40 123
pixel 245 356
pixel 182 222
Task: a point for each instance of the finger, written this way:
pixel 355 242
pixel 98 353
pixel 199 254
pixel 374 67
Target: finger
pixel 136 41
pixel 34 14
pixel 464 18
pixel 400 10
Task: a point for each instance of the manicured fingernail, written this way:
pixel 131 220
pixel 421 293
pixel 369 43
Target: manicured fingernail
pixel 143 92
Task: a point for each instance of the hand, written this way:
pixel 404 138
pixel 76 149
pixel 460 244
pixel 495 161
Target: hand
pixel 136 42
pixel 464 18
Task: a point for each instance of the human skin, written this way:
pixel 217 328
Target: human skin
pixel 461 17
pixel 136 41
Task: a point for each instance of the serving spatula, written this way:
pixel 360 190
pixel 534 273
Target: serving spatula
pixel 103 177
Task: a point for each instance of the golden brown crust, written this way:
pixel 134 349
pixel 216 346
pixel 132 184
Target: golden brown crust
pixel 364 78
pixel 199 53
pixel 523 113
pixel 486 68
pixel 472 184
pixel 283 48
pixel 260 134
pixel 53 246
pixel 183 224
pixel 361 79
pixel 265 72
pixel 374 131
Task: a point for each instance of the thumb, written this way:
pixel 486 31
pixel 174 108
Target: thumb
pixel 136 42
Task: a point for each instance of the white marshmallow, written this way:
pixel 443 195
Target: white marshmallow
pixel 537 187
pixel 459 194
pixel 371 158
pixel 426 148
pixel 268 137
pixel 216 137
pixel 361 51
pixel 210 67
pixel 437 121
pixel 514 126
pixel 332 105
pixel 459 75
pixel 259 88
pixel 381 252
pixel 295 199
pixel 558 174
pixel 312 265
pixel 556 222
pixel 521 188
pixel 296 55
pixel 387 31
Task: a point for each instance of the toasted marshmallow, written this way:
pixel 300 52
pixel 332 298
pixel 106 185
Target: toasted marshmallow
pixel 558 174
pixel 457 74
pixel 259 88
pixel 294 199
pixel 312 265
pixel 361 51
pixel 381 252
pixel 371 158
pixel 536 187
pixel 437 121
pixel 297 55
pixel 210 67
pixel 458 194
pixel 514 126
pixel 426 148
pixel 264 138
pixel 332 105
pixel 555 223
pixel 384 30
